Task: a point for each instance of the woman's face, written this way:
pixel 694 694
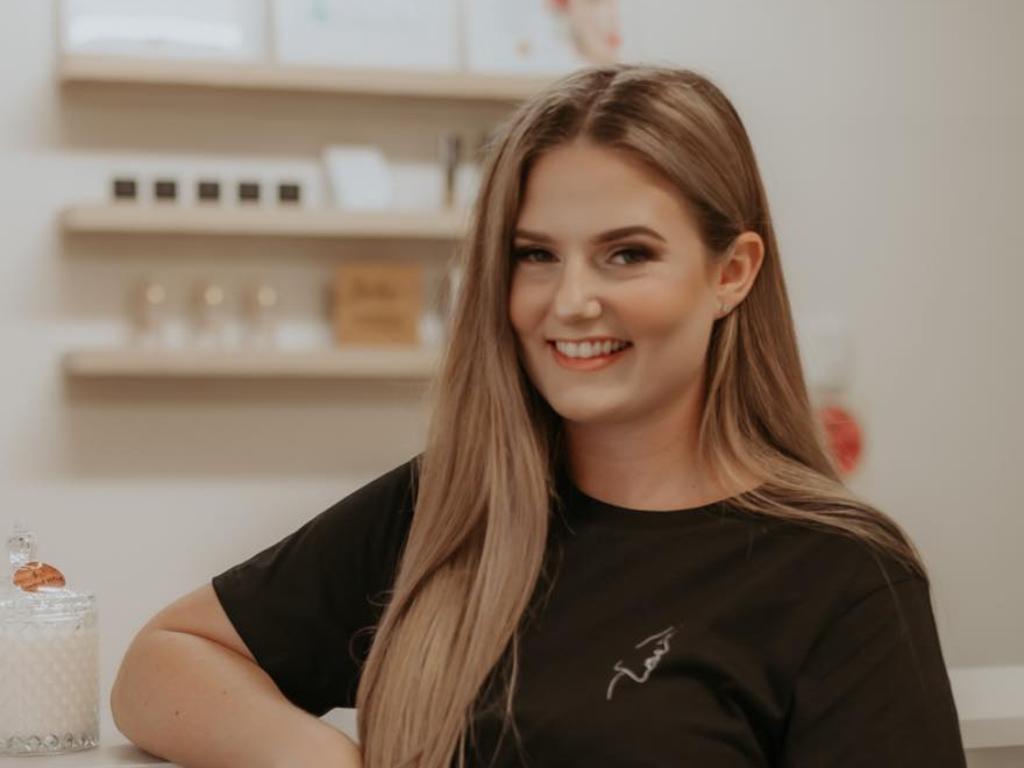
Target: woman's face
pixel 605 249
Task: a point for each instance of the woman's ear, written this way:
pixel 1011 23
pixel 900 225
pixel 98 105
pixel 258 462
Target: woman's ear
pixel 736 272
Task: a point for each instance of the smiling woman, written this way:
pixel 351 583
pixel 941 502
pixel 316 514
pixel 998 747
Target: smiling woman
pixel 625 542
pixel 622 412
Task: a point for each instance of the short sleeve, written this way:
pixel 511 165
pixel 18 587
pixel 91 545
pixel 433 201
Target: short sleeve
pixel 306 607
pixel 874 690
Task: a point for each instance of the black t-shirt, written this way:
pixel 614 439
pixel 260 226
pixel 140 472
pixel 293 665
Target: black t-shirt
pixel 706 637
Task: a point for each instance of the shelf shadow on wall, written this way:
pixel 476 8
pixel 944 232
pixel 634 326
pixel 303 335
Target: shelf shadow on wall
pixel 261 123
pixel 238 428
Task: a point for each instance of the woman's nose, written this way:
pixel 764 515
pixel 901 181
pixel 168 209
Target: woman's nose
pixel 575 294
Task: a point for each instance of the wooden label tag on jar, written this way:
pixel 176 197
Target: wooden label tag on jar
pixel 33 575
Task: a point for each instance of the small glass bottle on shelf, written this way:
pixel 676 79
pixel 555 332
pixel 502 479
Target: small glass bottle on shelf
pixel 148 311
pixel 450 152
pixel 260 302
pixel 208 315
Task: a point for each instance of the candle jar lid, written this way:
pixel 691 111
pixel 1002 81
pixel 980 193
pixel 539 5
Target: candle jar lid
pixel 36 591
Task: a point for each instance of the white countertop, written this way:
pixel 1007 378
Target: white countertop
pixel 989 700
pixel 118 753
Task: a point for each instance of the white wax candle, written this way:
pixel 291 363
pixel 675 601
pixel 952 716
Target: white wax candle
pixel 49 681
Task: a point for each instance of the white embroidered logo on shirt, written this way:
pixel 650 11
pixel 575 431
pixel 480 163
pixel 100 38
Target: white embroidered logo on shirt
pixel 650 662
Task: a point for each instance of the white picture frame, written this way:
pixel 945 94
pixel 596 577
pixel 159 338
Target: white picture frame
pixel 540 37
pixel 382 34
pixel 190 29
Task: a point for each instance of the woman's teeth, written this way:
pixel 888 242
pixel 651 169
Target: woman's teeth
pixel 589 349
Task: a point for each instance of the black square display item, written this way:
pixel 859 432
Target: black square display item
pixel 208 191
pixel 125 189
pixel 248 191
pixel 288 192
pixel 165 189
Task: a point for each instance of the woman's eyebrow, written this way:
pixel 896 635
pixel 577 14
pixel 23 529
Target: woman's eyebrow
pixel 604 237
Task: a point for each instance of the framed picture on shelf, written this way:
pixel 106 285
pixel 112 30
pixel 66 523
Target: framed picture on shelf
pixel 383 34
pixel 216 29
pixel 550 37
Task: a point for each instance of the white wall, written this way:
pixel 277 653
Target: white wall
pixel 888 136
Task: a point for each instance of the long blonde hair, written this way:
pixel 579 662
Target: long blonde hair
pixel 486 478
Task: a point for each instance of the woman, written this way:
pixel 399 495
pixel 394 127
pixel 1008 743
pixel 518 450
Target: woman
pixel 629 546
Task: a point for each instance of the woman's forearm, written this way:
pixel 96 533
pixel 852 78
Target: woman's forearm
pixel 201 705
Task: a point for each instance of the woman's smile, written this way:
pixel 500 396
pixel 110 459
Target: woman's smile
pixel 592 363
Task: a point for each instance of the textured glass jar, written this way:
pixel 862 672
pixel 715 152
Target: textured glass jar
pixel 49 670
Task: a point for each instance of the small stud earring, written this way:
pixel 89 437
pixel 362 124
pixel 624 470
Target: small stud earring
pixel 725 309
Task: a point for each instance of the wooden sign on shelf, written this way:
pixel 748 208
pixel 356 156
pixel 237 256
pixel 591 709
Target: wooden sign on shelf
pixel 378 303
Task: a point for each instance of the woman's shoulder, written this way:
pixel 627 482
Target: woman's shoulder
pixel 391 489
pixel 852 565
pixel 375 515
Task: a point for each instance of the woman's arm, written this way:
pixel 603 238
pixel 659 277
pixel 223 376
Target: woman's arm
pixel 189 690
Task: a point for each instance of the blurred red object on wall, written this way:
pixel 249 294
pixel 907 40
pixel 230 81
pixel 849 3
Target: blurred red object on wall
pixel 845 439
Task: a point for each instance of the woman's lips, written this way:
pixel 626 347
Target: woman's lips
pixel 587 363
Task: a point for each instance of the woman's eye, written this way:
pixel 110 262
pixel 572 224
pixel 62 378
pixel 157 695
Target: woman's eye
pixel 632 255
pixel 641 254
pixel 524 254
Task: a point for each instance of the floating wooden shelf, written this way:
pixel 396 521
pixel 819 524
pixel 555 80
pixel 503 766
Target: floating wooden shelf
pixel 370 362
pixel 259 76
pixel 159 219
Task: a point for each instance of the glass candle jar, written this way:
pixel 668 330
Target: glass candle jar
pixel 49 666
